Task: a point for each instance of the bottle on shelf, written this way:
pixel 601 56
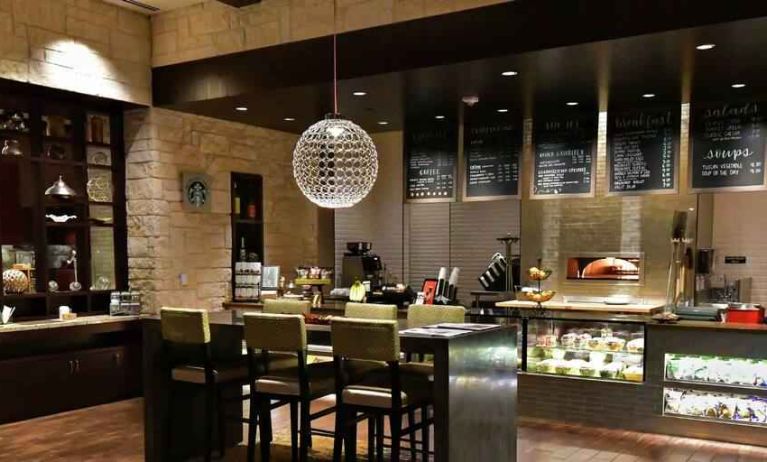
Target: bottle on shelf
pixel 237 201
pixel 243 251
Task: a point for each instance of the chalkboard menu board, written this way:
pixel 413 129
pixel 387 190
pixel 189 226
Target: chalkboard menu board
pixel 430 163
pixel 491 151
pixel 728 148
pixel 564 155
pixel 642 150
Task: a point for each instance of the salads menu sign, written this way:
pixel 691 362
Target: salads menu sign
pixel 642 150
pixel 565 151
pixel 728 146
pixel 431 154
pixel 492 152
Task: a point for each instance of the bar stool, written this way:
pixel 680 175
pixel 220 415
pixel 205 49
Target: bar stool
pixel 286 306
pixel 370 311
pixel 296 386
pixel 188 330
pixel 391 394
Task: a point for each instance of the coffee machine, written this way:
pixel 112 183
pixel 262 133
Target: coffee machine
pixel 361 264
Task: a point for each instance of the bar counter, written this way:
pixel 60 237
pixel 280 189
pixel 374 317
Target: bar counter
pixel 474 390
pixel 715 401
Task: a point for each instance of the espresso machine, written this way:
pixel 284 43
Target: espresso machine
pixel 361 264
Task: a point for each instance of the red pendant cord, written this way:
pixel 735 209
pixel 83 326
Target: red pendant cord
pixel 335 63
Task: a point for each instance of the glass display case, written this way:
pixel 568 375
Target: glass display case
pixel 719 388
pixel 585 349
pixel 716 370
pixel 729 407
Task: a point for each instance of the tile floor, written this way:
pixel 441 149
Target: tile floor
pixel 70 437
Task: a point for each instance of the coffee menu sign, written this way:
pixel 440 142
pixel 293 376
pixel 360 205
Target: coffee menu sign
pixel 642 151
pixel 431 154
pixel 728 147
pixel 491 152
pixel 564 156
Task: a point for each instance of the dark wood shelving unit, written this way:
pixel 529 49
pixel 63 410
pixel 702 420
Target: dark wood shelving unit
pixel 24 229
pixel 247 193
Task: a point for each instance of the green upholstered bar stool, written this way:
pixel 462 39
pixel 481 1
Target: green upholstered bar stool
pixel 391 394
pixel 286 306
pixel 188 330
pixel 370 311
pixel 267 334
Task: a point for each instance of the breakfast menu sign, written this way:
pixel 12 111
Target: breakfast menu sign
pixel 642 150
pixel 728 147
pixel 431 154
pixel 492 152
pixel 564 156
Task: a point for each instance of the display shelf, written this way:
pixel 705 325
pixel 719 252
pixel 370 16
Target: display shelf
pixel 576 377
pixel 716 387
pixel 719 371
pixel 64 117
pixel 587 350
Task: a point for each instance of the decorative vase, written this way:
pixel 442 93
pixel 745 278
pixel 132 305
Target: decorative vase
pixel 15 282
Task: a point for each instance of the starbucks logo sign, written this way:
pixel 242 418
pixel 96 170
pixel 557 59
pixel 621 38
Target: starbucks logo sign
pixel 197 192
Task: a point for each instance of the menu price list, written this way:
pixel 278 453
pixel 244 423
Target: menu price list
pixel 641 150
pixel 492 160
pixel 728 146
pixel 431 162
pixel 564 156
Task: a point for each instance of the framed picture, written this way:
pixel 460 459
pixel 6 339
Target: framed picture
pixel 270 277
pixel 429 290
pixel 196 192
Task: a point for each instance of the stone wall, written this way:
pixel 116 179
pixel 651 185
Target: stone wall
pixel 85 46
pixel 165 241
pixel 212 28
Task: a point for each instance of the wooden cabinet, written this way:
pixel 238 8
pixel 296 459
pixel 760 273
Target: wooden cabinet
pixel 43 385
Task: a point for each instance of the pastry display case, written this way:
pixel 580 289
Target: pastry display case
pixel 599 350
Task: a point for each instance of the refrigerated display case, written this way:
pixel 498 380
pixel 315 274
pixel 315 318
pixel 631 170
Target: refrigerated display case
pixel 721 388
pixel 599 350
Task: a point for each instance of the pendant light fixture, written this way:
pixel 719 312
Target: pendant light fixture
pixel 335 162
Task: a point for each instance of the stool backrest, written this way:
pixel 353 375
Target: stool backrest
pixel 286 306
pixel 424 315
pixel 370 311
pixel 366 339
pixel 185 325
pixel 275 332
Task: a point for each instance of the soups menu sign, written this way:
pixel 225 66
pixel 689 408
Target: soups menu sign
pixel 642 150
pixel 564 156
pixel 728 146
pixel 492 153
pixel 430 163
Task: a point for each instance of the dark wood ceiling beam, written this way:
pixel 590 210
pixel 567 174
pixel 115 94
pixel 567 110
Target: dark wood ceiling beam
pixel 503 29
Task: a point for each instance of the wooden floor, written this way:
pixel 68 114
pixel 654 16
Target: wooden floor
pixel 70 437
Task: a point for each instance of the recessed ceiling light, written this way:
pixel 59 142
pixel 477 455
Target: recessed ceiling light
pixel 705 46
pixel 572 103
pixel 509 73
pixel 439 117
pixel 241 108
pixel 383 122
pixel 648 95
pixel 503 110
pixel 289 119
pixel 360 93
pixel 738 85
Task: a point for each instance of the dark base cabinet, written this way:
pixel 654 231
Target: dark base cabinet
pixel 94 367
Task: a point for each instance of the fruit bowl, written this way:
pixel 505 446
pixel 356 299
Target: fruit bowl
pixel 538 274
pixel 540 296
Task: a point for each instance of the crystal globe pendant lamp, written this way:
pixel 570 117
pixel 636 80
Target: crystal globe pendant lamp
pixel 335 163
